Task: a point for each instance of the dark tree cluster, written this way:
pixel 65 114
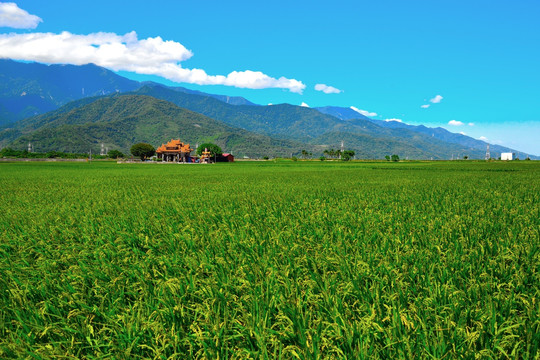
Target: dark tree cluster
pixel 143 150
pixel 344 155
pixel 394 157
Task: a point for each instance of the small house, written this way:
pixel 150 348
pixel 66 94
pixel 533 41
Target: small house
pixel 226 157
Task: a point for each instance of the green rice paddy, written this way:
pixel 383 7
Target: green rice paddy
pixel 291 260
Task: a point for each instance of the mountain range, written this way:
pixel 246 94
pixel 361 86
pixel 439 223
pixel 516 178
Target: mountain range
pixel 78 108
pixel 121 120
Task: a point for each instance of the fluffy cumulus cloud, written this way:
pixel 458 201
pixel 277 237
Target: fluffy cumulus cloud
pixel 396 120
pixel 151 56
pixel 437 99
pixel 455 123
pixel 483 138
pixel 470 124
pixel 327 89
pixel 14 17
pixel 425 106
pixel 363 112
pixel 304 104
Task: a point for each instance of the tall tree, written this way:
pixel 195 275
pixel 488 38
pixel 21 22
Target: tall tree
pixel 143 150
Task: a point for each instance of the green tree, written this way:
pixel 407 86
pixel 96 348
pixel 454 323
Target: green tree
pixel 9 152
pixel 332 153
pixel 387 157
pixel 143 150
pixel 395 157
pixel 347 155
pixel 306 153
pixel 115 154
pixel 214 149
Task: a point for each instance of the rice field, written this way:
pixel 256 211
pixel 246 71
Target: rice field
pixel 270 260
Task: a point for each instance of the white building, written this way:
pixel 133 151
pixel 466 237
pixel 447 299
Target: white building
pixel 506 156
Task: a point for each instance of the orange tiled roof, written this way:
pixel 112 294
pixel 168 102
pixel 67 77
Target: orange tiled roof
pixel 174 146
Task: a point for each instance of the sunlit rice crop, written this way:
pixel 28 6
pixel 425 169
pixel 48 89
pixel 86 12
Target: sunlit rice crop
pixel 267 260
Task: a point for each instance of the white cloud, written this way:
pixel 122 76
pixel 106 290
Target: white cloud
pixel 462 133
pixel 14 17
pixel 327 89
pixel 396 120
pixel 364 112
pixel 437 99
pixel 470 124
pixel 483 138
pixel 304 104
pixel 455 123
pixel 151 56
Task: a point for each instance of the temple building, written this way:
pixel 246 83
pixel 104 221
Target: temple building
pixel 174 151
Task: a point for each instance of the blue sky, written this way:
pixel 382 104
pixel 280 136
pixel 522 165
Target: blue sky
pixel 477 61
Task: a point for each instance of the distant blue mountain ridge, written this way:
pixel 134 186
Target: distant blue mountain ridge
pixel 440 133
pixel 342 113
pixel 29 89
pixel 232 100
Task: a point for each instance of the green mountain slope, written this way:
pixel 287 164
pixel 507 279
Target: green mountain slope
pixel 449 137
pixel 284 120
pixel 465 142
pixel 311 126
pixel 122 120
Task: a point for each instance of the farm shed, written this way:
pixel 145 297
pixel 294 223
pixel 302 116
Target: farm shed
pixel 226 157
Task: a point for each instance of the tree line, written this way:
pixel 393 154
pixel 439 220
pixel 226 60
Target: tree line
pixel 344 155
pixel 25 154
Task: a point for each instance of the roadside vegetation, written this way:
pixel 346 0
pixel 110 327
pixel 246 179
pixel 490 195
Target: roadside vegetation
pixel 10 153
pixel 25 154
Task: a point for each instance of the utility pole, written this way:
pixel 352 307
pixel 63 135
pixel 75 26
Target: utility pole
pixel 488 156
